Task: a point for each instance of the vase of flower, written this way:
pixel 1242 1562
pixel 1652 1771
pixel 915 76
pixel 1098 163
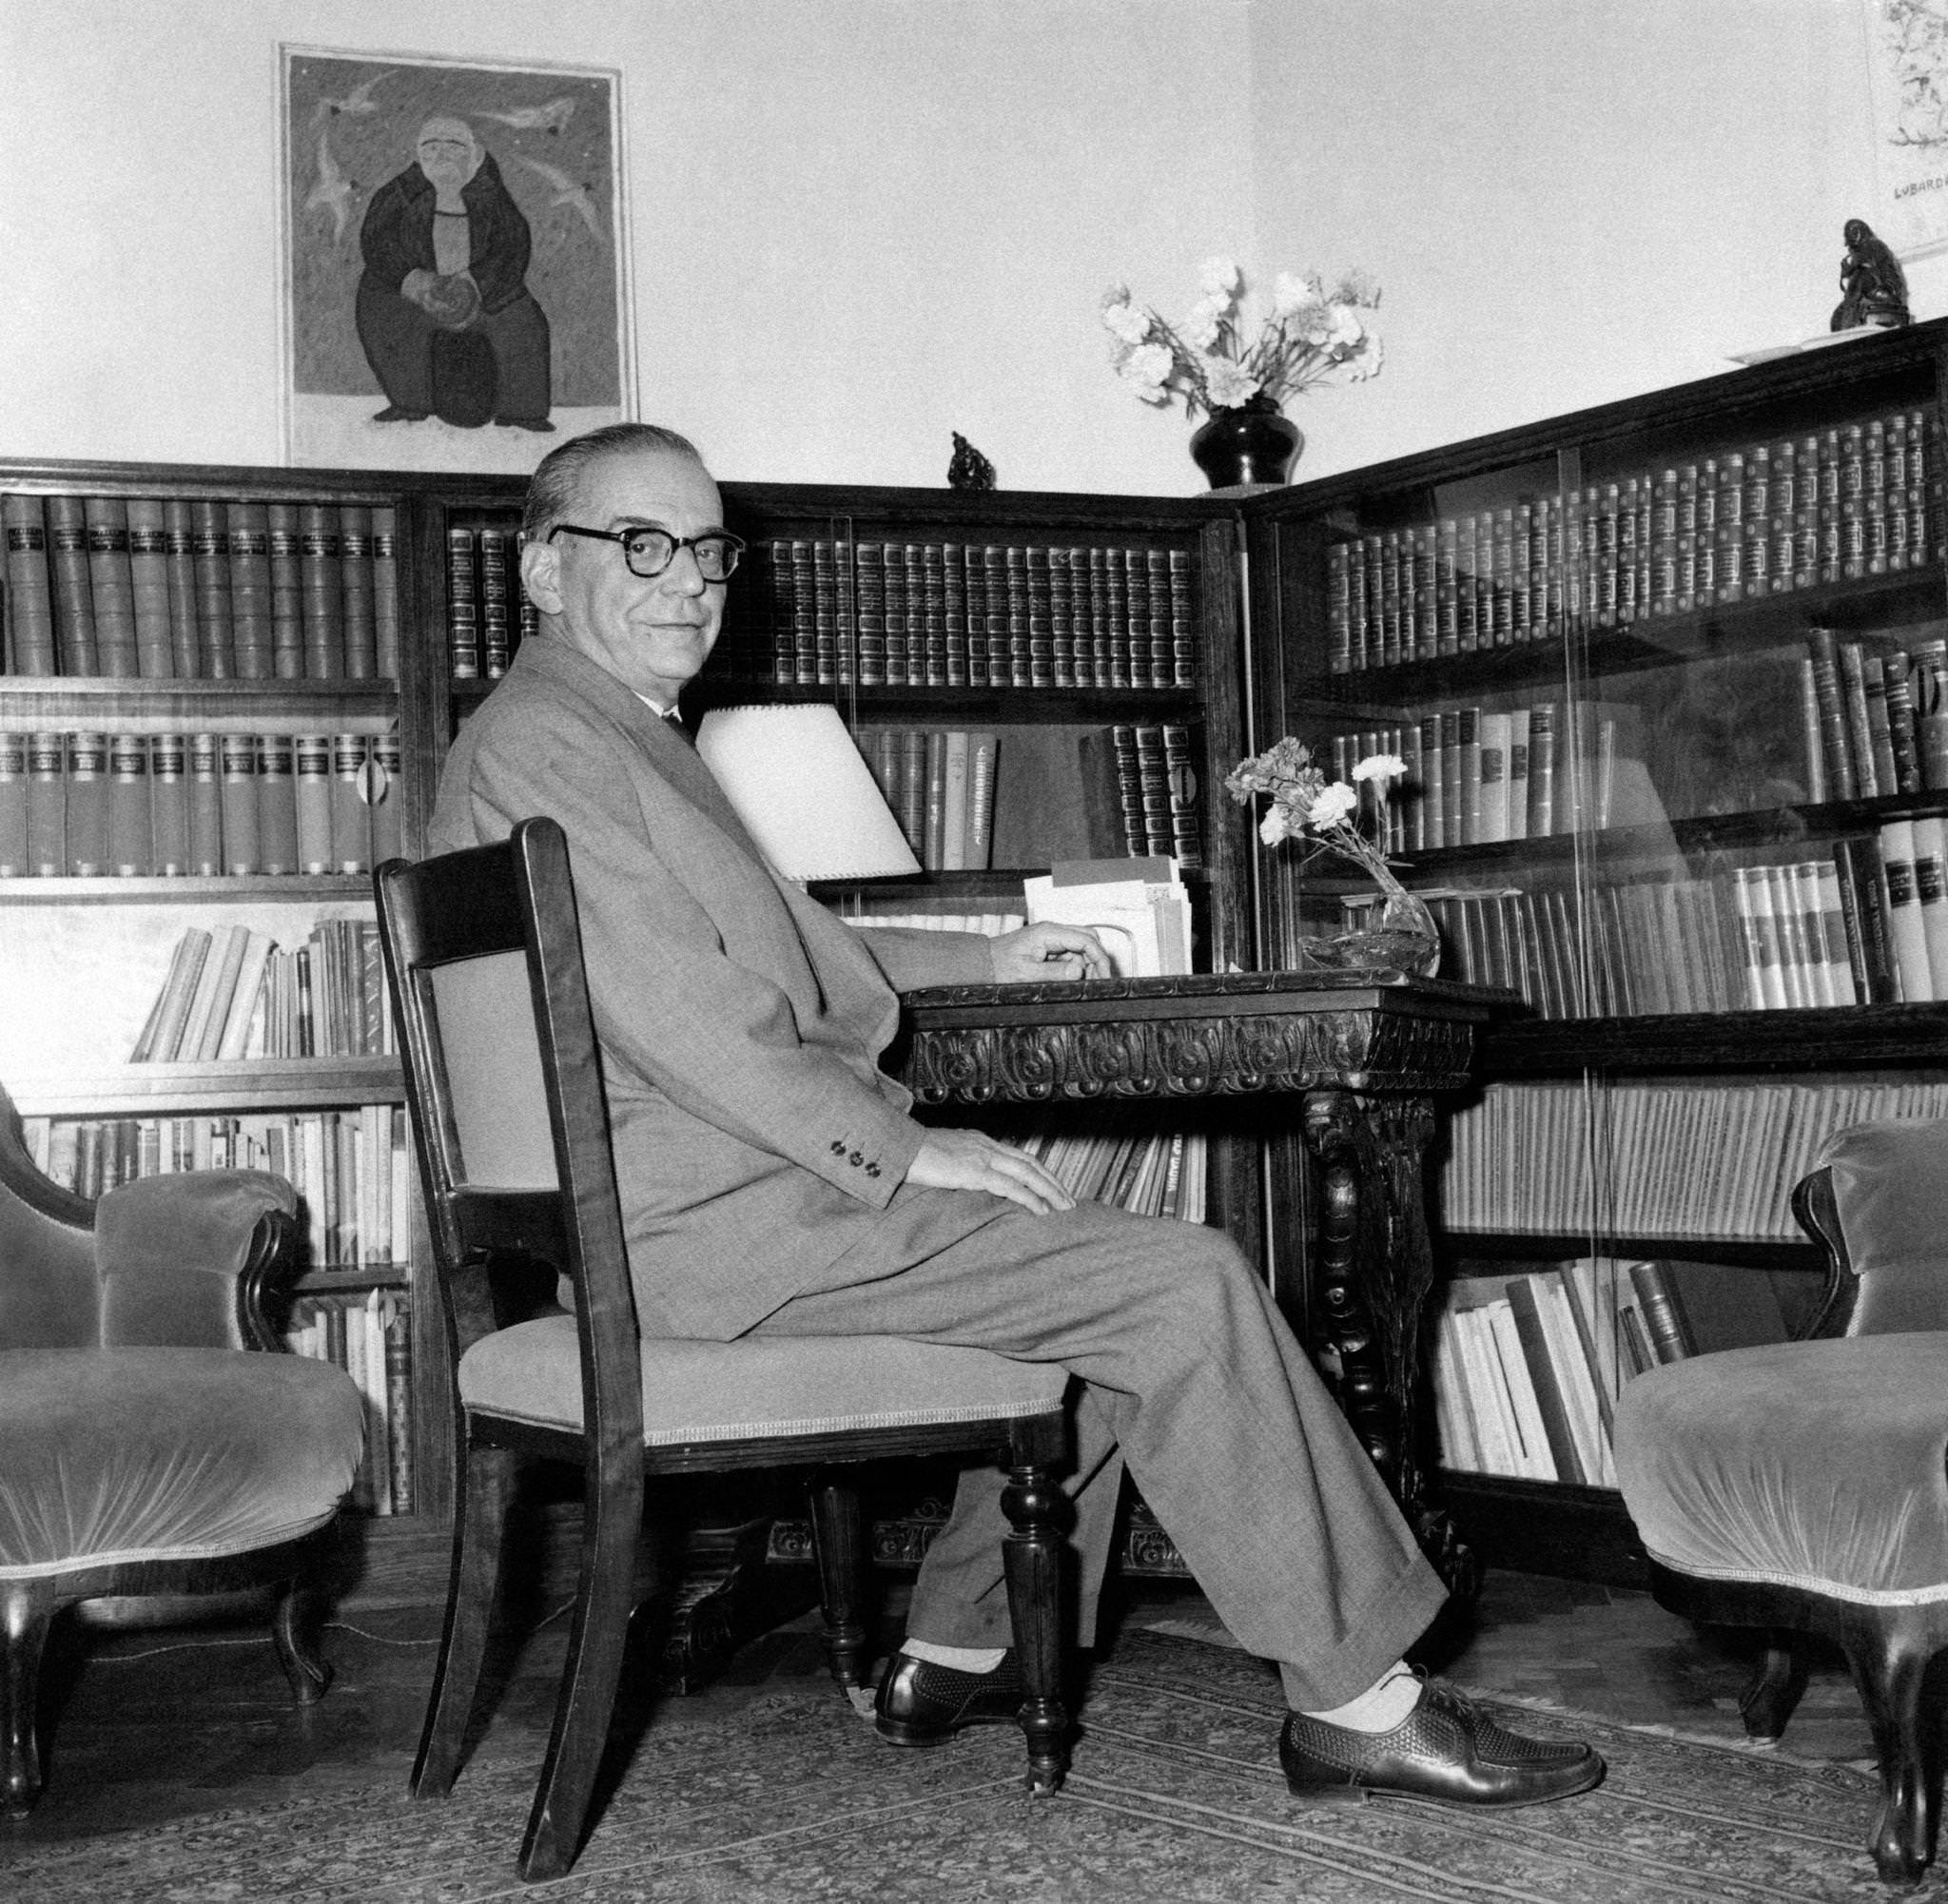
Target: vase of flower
pixel 1237 369
pixel 1250 446
pixel 1322 814
pixel 1399 935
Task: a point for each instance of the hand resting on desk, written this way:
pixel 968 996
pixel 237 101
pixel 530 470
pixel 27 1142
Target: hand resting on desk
pixel 1044 951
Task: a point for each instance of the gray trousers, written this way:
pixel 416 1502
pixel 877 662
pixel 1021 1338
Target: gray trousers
pixel 1190 1376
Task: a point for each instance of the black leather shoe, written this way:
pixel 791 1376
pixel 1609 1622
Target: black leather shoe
pixel 1446 1748
pixel 922 1703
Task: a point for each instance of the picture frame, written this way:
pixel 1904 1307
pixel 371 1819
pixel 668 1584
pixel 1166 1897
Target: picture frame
pixel 452 240
pixel 1907 65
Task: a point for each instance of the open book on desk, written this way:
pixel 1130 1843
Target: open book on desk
pixel 1137 907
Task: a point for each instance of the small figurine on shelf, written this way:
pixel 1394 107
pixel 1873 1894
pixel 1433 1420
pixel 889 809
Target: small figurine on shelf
pixel 1873 286
pixel 969 469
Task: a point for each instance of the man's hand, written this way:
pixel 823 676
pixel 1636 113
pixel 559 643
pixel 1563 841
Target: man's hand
pixel 969 1160
pixel 1045 951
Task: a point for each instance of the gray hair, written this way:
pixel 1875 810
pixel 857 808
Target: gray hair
pixel 556 482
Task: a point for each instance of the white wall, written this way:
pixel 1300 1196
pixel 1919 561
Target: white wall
pixel 861 224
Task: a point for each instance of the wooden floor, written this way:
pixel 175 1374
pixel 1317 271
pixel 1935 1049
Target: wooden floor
pixel 148 1726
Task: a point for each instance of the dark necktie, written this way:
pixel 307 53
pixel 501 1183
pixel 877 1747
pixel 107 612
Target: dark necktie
pixel 674 720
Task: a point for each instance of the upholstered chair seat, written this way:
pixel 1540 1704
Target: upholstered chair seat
pixel 143 1454
pixel 1804 1486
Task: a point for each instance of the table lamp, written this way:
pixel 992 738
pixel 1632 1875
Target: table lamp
pixel 803 792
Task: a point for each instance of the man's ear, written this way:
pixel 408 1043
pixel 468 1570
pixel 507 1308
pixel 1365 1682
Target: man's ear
pixel 541 575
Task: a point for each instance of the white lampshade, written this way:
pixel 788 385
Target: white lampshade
pixel 804 791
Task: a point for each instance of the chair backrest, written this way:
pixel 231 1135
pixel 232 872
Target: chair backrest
pixel 51 1294
pixel 1879 1202
pixel 503 1077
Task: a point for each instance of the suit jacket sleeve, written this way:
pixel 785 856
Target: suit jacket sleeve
pixel 911 956
pixel 723 1041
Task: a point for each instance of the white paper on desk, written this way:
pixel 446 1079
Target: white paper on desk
pixel 1143 923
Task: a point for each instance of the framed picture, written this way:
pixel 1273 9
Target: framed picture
pixel 1907 62
pixel 456 261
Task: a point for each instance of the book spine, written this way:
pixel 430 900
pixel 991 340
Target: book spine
pixel 1860 733
pixel 357 609
pixel 1551 1401
pixel 1129 790
pixel 179 540
pixel 1862 894
pixel 1468 741
pixel 149 576
pixel 1153 783
pixel 238 755
pixel 1819 787
pixel 1931 898
pixel 284 555
pixel 984 760
pixel 385 592
pixel 1896 671
pixel 1663 1315
pixel 953 832
pixel 111 587
pixel 398 1400
pixel 1906 934
pixel 168 797
pixel 131 826
pixel 215 636
pixel 277 805
pixel 68 562
pixel 205 803
pixel 351 831
pixel 320 592
pixel 386 788
pixel 1180 777
pixel 251 637
pixel 1880 727
pixel 31 646
pixel 1841 930
pixel 14 864
pixel 88 805
pixel 1928 689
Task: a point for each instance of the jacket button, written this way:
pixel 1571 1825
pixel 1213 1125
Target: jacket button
pixel 838 1147
pixel 857 1158
pixel 872 1169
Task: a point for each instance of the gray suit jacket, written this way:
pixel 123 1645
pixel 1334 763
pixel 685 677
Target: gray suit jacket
pixel 756 1141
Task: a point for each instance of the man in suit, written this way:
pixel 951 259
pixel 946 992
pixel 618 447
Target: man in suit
pixel 774 1183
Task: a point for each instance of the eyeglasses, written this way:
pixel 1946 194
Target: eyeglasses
pixel 649 552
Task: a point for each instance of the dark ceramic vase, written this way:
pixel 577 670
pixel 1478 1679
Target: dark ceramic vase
pixel 1249 447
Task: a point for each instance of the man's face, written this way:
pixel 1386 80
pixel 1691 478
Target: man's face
pixel 446 151
pixel 653 636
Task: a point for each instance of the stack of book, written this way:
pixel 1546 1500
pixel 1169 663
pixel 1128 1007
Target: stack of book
pixel 232 993
pixel 817 611
pixel 135 805
pixel 1851 502
pixel 369 1335
pixel 488 613
pixel 1149 1174
pixel 1527 1366
pixel 352 1169
pixel 1877 714
pixel 183 588
pixel 1650 1159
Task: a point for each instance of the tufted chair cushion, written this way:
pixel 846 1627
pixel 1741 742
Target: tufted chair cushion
pixel 143 1454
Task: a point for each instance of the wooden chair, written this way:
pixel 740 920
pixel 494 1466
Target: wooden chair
pixel 484 955
pixel 1804 1486
pixel 143 1457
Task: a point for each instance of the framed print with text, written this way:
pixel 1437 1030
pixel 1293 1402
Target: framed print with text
pixel 455 260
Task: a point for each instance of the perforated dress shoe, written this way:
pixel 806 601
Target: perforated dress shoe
pixel 1447 1748
pixel 922 1703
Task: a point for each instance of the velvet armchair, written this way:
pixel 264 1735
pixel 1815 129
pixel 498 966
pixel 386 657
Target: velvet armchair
pixel 1804 1486
pixel 143 1451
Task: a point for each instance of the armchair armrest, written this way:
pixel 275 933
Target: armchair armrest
pixel 189 1260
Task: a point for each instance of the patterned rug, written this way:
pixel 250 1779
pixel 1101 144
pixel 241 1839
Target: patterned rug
pixel 1175 1796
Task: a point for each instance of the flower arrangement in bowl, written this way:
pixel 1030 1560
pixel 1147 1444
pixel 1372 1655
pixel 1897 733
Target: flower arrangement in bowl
pixel 1216 359
pixel 1308 805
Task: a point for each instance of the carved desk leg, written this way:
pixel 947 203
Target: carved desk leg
pixel 1375 1273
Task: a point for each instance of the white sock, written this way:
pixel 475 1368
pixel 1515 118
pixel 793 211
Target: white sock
pixel 963 1658
pixel 1381 1707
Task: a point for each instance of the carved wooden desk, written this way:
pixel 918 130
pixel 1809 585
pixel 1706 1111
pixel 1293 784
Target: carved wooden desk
pixel 1362 1053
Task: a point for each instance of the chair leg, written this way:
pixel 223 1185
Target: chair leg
pixel 484 1485
pixel 598 1635
pixel 296 1636
pixel 1776 1690
pixel 838 1544
pixel 26 1610
pixel 1889 1650
pixel 1032 1556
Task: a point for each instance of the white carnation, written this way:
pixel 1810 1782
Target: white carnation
pixel 1333 805
pixel 1219 278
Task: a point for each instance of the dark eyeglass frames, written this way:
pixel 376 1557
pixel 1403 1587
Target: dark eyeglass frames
pixel 649 552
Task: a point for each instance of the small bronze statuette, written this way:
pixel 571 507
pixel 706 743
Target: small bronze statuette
pixel 970 468
pixel 1873 286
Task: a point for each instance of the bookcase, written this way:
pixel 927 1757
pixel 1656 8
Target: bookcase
pixel 226 692
pixel 1666 676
